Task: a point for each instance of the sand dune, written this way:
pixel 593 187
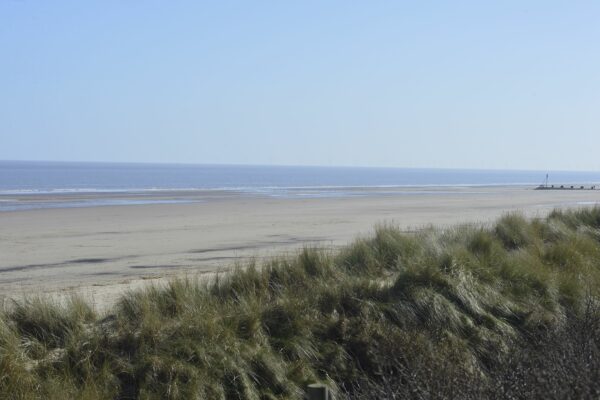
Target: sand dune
pixel 101 251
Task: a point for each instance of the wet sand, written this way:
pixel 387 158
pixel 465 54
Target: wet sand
pixel 103 251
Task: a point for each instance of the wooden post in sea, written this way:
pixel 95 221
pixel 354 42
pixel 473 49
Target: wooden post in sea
pixel 318 391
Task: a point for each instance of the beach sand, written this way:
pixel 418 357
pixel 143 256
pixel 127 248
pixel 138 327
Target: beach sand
pixel 102 251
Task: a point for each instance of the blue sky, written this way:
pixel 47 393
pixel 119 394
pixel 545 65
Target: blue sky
pixel 457 84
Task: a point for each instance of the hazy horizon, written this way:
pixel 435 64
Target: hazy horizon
pixel 166 163
pixel 507 86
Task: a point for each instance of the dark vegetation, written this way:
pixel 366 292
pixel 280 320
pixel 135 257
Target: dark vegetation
pixel 503 311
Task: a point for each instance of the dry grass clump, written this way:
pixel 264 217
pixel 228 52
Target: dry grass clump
pixel 467 312
pixel 553 364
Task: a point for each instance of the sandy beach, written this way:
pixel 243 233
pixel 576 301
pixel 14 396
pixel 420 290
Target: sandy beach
pixel 103 251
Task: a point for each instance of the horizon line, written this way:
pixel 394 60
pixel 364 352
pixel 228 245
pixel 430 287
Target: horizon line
pixel 167 163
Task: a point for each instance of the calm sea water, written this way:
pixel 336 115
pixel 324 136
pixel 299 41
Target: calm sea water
pixel 20 178
pixel 52 177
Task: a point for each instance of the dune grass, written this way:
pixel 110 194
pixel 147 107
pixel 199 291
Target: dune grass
pixel 441 311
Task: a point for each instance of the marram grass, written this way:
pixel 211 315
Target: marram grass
pixel 439 308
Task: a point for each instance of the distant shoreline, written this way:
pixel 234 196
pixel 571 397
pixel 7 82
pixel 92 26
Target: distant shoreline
pixel 32 200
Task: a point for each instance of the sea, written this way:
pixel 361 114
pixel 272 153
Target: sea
pixel 22 181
